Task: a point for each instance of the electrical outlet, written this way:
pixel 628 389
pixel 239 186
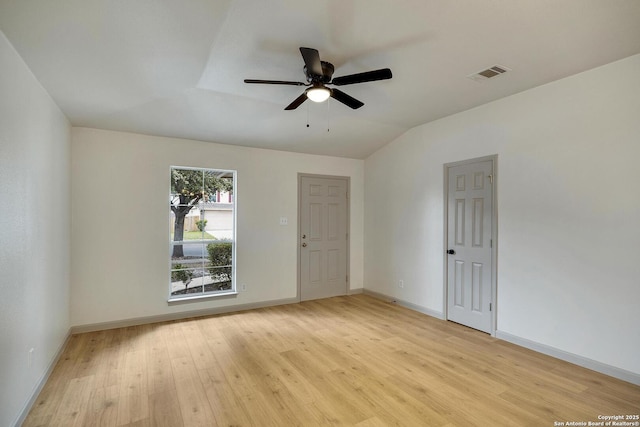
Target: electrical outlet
pixel 243 287
pixel 284 220
pixel 401 284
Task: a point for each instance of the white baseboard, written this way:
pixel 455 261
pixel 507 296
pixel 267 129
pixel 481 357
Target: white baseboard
pixel 409 305
pixel 41 382
pixel 78 329
pixel 576 359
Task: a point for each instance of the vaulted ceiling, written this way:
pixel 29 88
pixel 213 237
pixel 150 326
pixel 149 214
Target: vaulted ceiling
pixel 176 68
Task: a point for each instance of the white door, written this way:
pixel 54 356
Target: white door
pixel 469 240
pixel 323 237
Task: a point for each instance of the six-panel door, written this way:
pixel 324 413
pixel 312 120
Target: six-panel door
pixel 323 237
pixel 470 204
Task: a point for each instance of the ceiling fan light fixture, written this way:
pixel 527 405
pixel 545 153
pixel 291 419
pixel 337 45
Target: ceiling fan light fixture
pixel 318 94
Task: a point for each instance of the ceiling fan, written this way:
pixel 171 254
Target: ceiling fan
pixel 319 74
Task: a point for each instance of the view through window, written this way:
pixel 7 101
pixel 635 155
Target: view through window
pixel 202 231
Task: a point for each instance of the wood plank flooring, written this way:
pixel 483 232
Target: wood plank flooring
pixel 352 360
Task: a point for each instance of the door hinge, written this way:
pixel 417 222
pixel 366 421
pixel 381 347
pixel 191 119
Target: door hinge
pixel 490 243
pixel 490 176
pixel 347 278
pixel 489 306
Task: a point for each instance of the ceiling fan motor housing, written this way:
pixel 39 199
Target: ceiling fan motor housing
pixel 327 73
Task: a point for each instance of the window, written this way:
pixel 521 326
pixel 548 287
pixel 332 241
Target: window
pixel 202 233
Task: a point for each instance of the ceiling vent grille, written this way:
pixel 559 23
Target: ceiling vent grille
pixel 489 73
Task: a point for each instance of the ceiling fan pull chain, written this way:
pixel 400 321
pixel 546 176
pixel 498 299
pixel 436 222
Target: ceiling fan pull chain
pixel 307 115
pixel 328 115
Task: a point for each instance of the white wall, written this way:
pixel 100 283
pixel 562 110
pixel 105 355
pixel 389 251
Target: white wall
pixel 120 231
pixel 34 232
pixel 568 205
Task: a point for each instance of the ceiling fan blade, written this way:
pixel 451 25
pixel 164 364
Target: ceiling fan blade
pixel 312 60
pixel 368 76
pixel 275 82
pixel 296 103
pixel 347 100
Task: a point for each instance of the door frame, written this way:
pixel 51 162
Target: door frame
pixel 347 179
pixel 494 237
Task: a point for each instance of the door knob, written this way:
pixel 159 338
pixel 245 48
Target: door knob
pixel 451 252
pixel 304 245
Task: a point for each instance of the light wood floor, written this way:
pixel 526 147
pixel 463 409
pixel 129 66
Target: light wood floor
pixel 342 361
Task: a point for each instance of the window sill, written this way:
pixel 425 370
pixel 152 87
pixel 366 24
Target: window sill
pixel 194 298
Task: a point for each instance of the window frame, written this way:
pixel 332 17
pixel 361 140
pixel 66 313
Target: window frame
pixel 233 202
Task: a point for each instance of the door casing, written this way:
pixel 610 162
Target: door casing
pixel 494 237
pixel 299 232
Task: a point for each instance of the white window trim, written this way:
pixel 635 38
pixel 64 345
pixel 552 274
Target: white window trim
pixel 213 294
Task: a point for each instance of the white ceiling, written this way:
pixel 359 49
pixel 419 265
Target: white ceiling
pixel 176 68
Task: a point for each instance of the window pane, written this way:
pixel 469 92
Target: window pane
pixel 221 276
pixel 219 258
pixel 183 217
pixel 188 253
pixel 185 281
pixel 190 281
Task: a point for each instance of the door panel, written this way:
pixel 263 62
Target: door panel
pixel 323 237
pixel 315 267
pixel 470 204
pixel 458 279
pixel 315 221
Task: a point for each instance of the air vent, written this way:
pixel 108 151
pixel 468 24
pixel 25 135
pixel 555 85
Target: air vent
pixel 489 73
